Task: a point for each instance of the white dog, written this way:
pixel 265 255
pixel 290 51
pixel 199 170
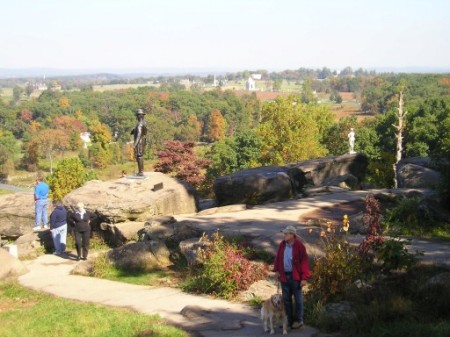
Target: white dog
pixel 272 310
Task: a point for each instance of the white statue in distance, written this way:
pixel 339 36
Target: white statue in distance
pixel 351 141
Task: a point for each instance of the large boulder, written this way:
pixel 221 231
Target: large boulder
pixel 254 186
pixel 120 233
pixel 133 199
pixel 317 171
pixel 413 175
pixel 10 266
pixel 144 256
pixel 17 214
pixel 28 244
pixel 277 183
pixel 168 230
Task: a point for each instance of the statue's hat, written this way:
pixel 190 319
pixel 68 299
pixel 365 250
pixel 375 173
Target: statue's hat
pixel 140 112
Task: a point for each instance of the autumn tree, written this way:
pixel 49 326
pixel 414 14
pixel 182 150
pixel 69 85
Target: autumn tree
pixel 72 127
pixel 291 131
pixel 190 130
pixel 100 133
pixel 179 159
pixel 64 102
pixel 216 126
pixel 49 141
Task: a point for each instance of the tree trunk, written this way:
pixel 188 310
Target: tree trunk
pixel 399 135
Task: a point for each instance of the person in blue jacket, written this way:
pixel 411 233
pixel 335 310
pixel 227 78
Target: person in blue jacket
pixel 58 227
pixel 40 204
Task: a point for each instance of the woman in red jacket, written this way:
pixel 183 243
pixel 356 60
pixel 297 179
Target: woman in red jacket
pixel 291 266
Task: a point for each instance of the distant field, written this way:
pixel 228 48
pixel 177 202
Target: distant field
pixel 261 86
pixel 108 87
pixel 6 94
pixel 349 106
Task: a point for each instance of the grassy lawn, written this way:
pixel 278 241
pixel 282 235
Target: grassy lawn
pixel 25 312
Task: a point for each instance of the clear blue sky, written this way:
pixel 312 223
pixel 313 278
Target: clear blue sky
pixel 235 34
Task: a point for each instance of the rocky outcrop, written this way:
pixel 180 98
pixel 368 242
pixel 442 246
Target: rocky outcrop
pixel 169 230
pixel 143 256
pixel 17 214
pixel 10 267
pixel 416 173
pixel 276 183
pixel 317 171
pixel 28 244
pixel 120 233
pixel 129 199
pixel 254 186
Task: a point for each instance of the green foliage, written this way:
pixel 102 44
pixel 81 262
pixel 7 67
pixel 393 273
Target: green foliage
pixel 6 164
pixel 68 175
pixel 428 128
pixel 333 274
pixel 392 254
pixel 409 216
pixel 291 131
pixel 336 97
pixel 256 301
pixel 224 270
pixel 234 154
pixel 99 156
pixel 336 138
pixel 380 172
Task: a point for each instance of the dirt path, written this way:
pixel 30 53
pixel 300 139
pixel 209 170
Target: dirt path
pixel 207 317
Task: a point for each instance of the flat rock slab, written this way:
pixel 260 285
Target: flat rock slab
pixel 125 199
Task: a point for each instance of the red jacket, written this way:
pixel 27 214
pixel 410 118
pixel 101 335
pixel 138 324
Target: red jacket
pixel 300 266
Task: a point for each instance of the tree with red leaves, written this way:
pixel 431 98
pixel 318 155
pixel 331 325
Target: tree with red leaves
pixel 372 219
pixel 179 159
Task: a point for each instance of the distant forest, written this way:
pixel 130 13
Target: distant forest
pixel 238 129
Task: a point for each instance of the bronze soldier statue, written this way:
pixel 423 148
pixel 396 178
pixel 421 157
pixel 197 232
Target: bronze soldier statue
pixel 140 140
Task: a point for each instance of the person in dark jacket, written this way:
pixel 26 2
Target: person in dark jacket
pixel 292 269
pixel 58 227
pixel 82 231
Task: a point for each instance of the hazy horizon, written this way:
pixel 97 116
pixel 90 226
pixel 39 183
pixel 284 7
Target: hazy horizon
pixel 6 73
pixel 99 35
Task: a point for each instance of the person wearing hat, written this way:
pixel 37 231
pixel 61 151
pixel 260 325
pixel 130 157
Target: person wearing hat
pixel 140 140
pixel 82 231
pixel 292 269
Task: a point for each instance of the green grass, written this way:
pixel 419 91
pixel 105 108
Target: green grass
pixel 25 312
pixel 3 192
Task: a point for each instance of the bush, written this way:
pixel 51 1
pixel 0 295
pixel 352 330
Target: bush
pixel 392 255
pixel 224 271
pixel 380 172
pixel 68 175
pixel 334 273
